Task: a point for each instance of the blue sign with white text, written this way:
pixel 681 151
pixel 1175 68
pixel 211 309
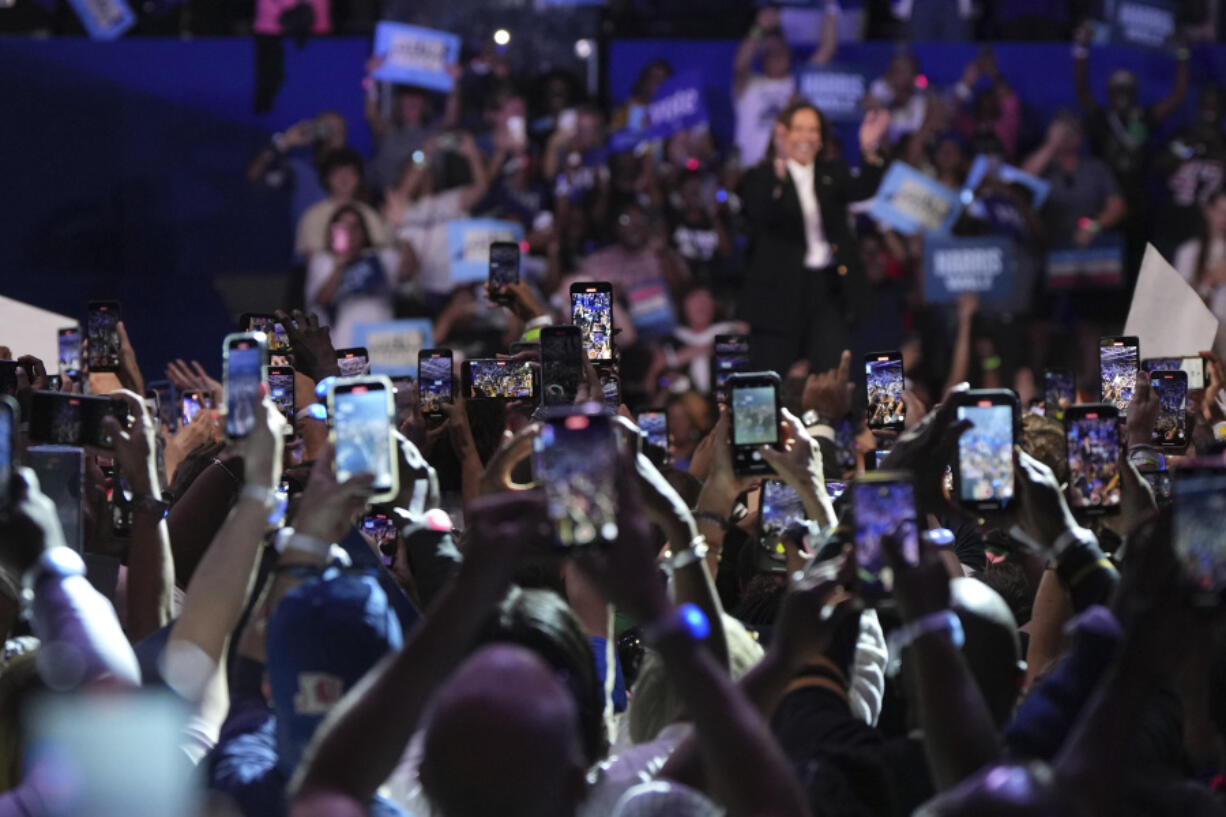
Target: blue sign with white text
pixel 987 165
pixel 392 346
pixel 678 105
pixel 1144 23
pixel 953 266
pixel 909 202
pixel 838 91
pixel 468 244
pixel 415 56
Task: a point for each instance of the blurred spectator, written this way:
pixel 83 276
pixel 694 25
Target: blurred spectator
pixel 1031 19
pixel 935 20
pixel 693 343
pixel 633 113
pixel 699 228
pixel 991 116
pixel 341 175
pixel 408 127
pixel 759 97
pixel 278 166
pixel 1202 261
pixel 1085 198
pixel 903 93
pixel 635 257
pixel 1194 167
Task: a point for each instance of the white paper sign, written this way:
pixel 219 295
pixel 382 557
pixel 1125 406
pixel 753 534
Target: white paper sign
pixel 1166 314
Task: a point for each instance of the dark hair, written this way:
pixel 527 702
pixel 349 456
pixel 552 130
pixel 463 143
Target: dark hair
pixel 785 118
pixel 641 80
pixel 341 157
pixel 541 621
pixel 336 216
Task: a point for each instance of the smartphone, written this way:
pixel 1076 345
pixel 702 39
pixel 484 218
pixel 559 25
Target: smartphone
pixel 244 369
pixel 561 364
pixel 360 412
pixel 490 379
pixel 1171 427
pixel 56 382
pixel 10 421
pixel 754 397
pixel 610 388
pixel 835 489
pixel 591 309
pixel 575 456
pixel 1198 499
pixel 382 529
pixel 353 362
pixel 655 427
pixel 73 419
pixel 434 380
pixel 8 377
pixel 1092 439
pixel 102 330
pixel 985 451
pixel 1059 392
pixel 164 391
pixel 1160 481
pixel 883 504
pixel 281 390
pixel 504 268
pixel 69 345
pixel 781 507
pixel 1193 367
pixel 731 356
pixel 1119 360
pixel 883 384
pixel 61 477
pixel 190 403
pixel 278 338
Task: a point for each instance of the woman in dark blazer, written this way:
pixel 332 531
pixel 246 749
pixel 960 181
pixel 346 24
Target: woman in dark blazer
pixel 805 286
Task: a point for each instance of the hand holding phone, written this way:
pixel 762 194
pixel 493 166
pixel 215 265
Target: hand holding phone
pixel 1092 439
pixel 1171 425
pixel 575 457
pixel 245 364
pixel 561 364
pixel 103 334
pixel 503 270
pixel 884 385
pixel 353 362
pixel 985 450
pixel 591 309
pixel 731 356
pixel 883 505
pixel 434 380
pixel 497 379
pixel 1119 361
pixel 754 399
pixel 360 412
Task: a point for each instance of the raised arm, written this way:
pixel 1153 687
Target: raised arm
pixel 828 35
pixel 1171 102
pixel 1081 70
pixel 747 52
pixel 475 191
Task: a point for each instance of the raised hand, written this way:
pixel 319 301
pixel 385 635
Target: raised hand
pixel 135 448
pixel 1042 510
pixel 799 464
pixel 193 378
pixel 314 354
pixel 262 449
pixel 129 369
pixel 29 524
pixel 327 508
pixel 497 474
pixel 873 129
pixel 829 393
pixel 926 450
pixel 1142 413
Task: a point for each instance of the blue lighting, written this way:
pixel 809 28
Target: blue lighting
pixel 324 386
pixel 317 411
pixel 696 622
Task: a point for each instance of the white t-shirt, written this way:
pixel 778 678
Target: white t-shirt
pixel 353 309
pixel 1215 296
pixel 311 236
pixel 905 117
pixel 756 108
pixel 425 227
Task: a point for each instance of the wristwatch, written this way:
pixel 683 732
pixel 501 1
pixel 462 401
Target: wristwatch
pixel 149 506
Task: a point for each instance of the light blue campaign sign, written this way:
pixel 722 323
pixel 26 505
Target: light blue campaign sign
pixel 392 346
pixel 838 91
pixel 908 201
pixel 104 19
pixel 1144 23
pixel 985 165
pixel 468 244
pixel 953 266
pixel 415 56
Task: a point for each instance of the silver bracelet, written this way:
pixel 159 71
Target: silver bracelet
pixel 696 552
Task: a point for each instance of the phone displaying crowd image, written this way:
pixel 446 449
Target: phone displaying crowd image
pixel 491 379
pixel 754 397
pixel 1193 367
pixel 655 428
pixel 883 504
pixel 561 364
pixel 1119 360
pixel 883 384
pixel 353 362
pixel 731 356
pixel 504 268
pixel 781 507
pixel 985 451
pixel 1171 426
pixel 61 478
pixel 591 309
pixel 281 390
pixel 9 420
pixel 1198 497
pixel 1059 392
pixel 381 528
pixel 1092 439
pixel 190 403
pixel 360 415
pixel 1160 482
pixel 69 350
pixel 244 364
pixel 575 457
pixel 434 380
pixel 73 419
pixel 102 330
pixel 278 338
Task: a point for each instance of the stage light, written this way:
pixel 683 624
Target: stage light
pixel 502 37
pixel 583 49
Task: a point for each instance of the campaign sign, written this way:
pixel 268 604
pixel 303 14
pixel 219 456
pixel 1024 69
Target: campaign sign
pixel 468 243
pixel 677 106
pixel 1099 266
pixel 982 265
pixel 415 56
pixel 393 345
pixel 104 19
pixel 989 165
pixel 1144 23
pixel 651 310
pixel 908 201
pixel 837 91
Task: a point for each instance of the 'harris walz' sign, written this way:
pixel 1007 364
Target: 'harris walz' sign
pixel 981 265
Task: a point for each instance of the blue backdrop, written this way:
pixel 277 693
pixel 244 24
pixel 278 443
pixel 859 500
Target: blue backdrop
pixel 123 163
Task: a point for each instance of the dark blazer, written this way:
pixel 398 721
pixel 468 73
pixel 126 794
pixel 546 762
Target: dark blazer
pixel 777 241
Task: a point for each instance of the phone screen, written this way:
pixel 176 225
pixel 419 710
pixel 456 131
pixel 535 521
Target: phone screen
pixel 755 422
pixel 985 453
pixel 57 419
pixel 731 356
pixel 352 362
pixel 655 426
pixel 434 383
pixel 104 337
pixel 835 489
pixel 281 390
pixel 1160 481
pixel 244 373
pixel 781 506
pixel 70 351
pixel 1193 367
pixel 1170 429
pixel 382 529
pixel 8 428
pixel 576 460
pixel 500 379
pixel 362 426
pixel 191 402
pixel 1118 363
pixel 883 508
pixel 1093 459
pixel 504 263
pixel 561 364
pixel 884 384
pixel 1059 392
pixel 592 312
pixel 1199 499
pixel 278 338
pixel 61 477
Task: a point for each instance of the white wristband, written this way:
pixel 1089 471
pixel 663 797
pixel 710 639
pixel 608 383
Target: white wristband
pixel 824 431
pixel 290 539
pixel 260 493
